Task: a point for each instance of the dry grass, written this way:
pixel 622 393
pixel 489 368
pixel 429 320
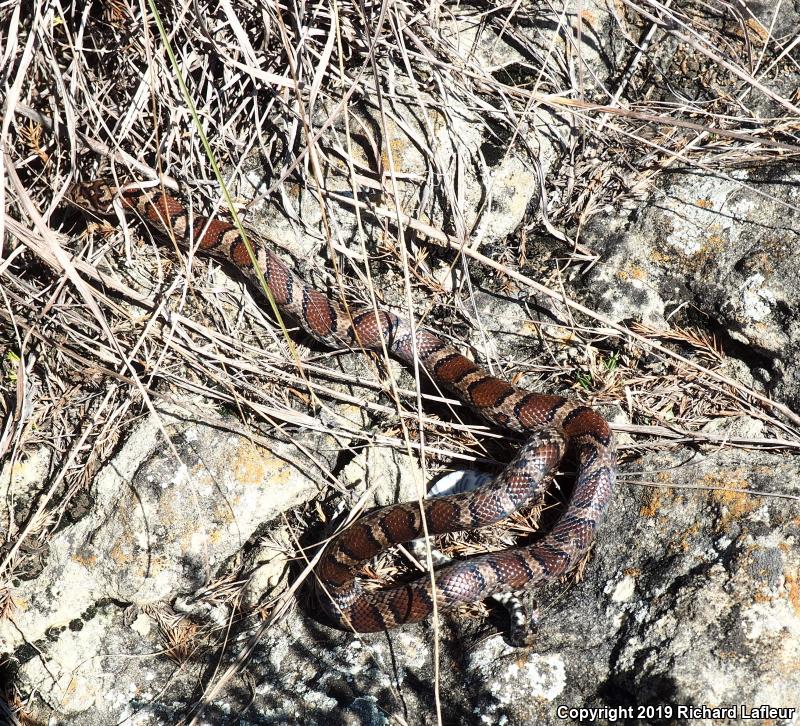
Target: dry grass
pixel 97 328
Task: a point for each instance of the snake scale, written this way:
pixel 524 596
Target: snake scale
pixel 552 423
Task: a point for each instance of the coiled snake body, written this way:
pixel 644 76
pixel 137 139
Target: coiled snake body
pixel 553 423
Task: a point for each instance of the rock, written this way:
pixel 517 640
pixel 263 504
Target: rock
pixel 390 475
pixel 165 520
pixel 725 244
pixel 268 569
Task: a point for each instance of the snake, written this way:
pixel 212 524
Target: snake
pixel 553 426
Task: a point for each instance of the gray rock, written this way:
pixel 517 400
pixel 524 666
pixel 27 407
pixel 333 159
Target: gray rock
pixel 726 245
pixel 164 521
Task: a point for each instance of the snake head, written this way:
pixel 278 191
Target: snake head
pixel 95 196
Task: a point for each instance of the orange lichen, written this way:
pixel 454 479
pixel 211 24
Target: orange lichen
pixel 731 495
pixel 653 505
pixel 86 557
pixel 249 465
pixel 685 539
pixel 658 496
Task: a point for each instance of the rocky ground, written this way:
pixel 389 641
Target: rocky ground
pixel 597 200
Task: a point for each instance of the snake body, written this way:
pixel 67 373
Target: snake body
pixel 552 423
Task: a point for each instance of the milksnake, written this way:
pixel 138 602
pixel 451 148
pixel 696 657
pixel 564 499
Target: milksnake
pixel 552 423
